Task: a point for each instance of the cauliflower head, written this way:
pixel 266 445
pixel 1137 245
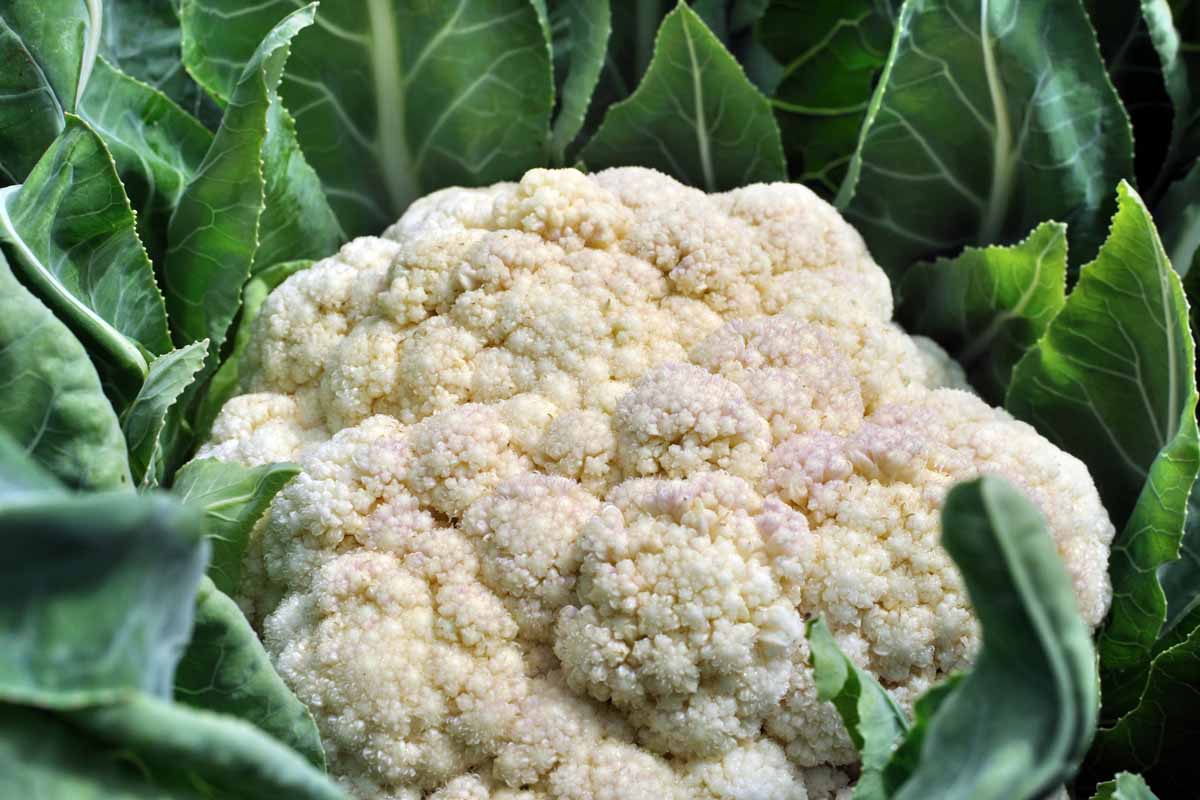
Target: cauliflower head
pixel 580 454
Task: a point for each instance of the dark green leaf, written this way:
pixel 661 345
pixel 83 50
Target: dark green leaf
pixel 395 99
pixel 1178 218
pixel 51 402
pixel 989 118
pixel 989 305
pixel 874 720
pixel 1112 382
pixel 1019 723
pixel 694 116
pixel 907 755
pixel 96 595
pixel 47 48
pixel 143 421
pixel 142 37
pixel 156 145
pixel 581 29
pixel 225 669
pixel 232 498
pixel 224 383
pixel 214 233
pixel 1126 786
pixel 71 233
pixel 1180 579
pixel 1157 738
pixel 1136 72
pixel 831 53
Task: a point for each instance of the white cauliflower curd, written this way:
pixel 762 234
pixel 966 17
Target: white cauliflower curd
pixel 580 455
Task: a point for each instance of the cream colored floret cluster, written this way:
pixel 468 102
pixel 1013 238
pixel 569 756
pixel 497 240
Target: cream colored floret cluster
pixel 580 455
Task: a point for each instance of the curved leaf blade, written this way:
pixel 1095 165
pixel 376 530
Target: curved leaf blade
pixel 232 498
pixel 988 306
pixel 875 722
pixel 143 421
pixel 214 233
pixel 1034 681
pixel 998 116
pixel 225 669
pixel 1113 382
pixel 51 401
pixel 396 98
pixel 586 26
pixel 73 235
pixel 1126 786
pixel 695 115
pixel 97 597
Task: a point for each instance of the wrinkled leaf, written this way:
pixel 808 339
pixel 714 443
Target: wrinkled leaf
pixel 831 53
pixel 47 48
pixel 1112 382
pixel 157 146
pixel 51 401
pixel 224 382
pixel 395 99
pixel 1019 723
pixel 143 38
pixel 225 669
pixel 143 421
pixel 874 720
pixel 694 116
pixel 96 596
pixel 1126 786
pixel 581 30
pixel 71 234
pixel 989 118
pixel 232 498
pixel 214 234
pixel 1157 737
pixel 988 305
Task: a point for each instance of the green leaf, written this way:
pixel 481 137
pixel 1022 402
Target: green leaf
pixel 51 401
pixel 71 233
pixel 581 30
pixel 224 382
pixel 395 98
pixel 1019 723
pixel 47 48
pixel 831 53
pixel 214 234
pixel 1113 382
pixel 96 595
pixel 143 38
pixel 20 473
pixel 232 498
pixel 143 421
pixel 1126 786
pixel 225 669
pixel 156 145
pixel 141 747
pixel 874 720
pixel 989 118
pixel 694 116
pixel 1178 218
pixel 1136 72
pixel 1157 737
pixel 1180 579
pixel 989 305
pixel 907 756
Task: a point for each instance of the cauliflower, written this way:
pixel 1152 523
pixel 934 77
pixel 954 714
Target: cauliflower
pixel 579 456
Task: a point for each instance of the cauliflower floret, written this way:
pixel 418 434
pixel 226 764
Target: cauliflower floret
pixel 681 622
pixel 578 455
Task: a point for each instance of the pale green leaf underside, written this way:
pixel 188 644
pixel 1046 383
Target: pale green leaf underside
pixel 225 669
pixel 1126 786
pixel 695 115
pixel 144 419
pixel 996 116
